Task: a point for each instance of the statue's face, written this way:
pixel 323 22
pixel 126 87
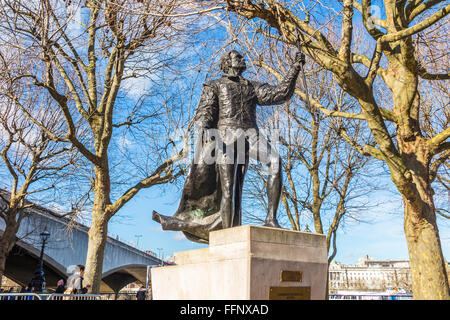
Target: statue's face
pixel 237 61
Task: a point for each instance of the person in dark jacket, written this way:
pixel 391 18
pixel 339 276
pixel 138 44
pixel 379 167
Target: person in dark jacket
pixel 60 287
pixel 141 294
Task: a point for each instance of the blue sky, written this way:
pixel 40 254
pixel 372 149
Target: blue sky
pixel 382 237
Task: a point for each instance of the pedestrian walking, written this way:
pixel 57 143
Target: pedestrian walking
pixel 141 294
pixel 75 281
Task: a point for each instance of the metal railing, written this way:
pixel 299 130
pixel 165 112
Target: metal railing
pixel 53 296
pixel 381 296
pixel 60 296
pixel 19 296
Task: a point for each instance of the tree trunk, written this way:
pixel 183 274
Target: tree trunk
pixel 317 200
pixel 94 260
pixel 429 276
pixel 7 241
pixel 98 232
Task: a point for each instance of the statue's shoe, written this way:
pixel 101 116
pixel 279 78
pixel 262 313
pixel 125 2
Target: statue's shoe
pixel 272 224
pixel 156 216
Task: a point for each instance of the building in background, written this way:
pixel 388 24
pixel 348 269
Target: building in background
pixel 369 274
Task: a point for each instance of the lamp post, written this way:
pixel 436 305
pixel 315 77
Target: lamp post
pixel 137 239
pixel 160 257
pixel 38 281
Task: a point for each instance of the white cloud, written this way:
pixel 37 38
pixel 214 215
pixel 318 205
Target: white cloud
pixel 155 228
pixel 125 143
pixel 135 88
pixel 179 236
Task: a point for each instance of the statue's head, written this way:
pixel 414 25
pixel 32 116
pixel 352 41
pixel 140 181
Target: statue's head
pixel 232 63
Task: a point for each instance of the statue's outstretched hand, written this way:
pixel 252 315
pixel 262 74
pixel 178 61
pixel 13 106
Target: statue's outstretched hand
pixel 300 58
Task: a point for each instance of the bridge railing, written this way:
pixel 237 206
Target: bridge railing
pixel 20 296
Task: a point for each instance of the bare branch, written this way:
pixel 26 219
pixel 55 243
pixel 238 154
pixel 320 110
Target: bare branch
pixel 437 143
pixel 391 37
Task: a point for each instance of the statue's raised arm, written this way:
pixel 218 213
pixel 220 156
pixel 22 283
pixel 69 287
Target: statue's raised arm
pixel 267 94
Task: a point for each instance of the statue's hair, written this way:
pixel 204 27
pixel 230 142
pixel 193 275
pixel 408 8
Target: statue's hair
pixel 225 61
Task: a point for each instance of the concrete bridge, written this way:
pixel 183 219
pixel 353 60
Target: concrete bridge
pixel 67 246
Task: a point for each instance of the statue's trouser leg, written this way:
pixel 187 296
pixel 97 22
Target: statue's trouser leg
pixel 232 159
pixel 274 185
pixel 241 169
pixel 226 172
pixel 263 152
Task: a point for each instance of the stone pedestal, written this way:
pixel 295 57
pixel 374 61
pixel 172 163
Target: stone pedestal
pixel 247 263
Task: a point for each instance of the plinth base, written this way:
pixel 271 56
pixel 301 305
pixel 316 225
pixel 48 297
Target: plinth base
pixel 247 263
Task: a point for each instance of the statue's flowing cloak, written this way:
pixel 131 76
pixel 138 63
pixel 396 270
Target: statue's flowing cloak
pixel 199 209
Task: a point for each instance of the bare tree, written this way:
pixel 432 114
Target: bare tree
pixel 403 147
pixel 91 57
pixel 32 164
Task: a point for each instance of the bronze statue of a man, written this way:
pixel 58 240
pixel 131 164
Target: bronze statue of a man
pixel 226 116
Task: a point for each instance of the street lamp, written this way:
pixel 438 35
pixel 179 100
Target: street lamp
pixel 137 239
pixel 160 257
pixel 38 281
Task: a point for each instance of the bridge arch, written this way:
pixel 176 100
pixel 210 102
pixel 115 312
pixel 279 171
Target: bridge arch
pixel 119 277
pixel 22 262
